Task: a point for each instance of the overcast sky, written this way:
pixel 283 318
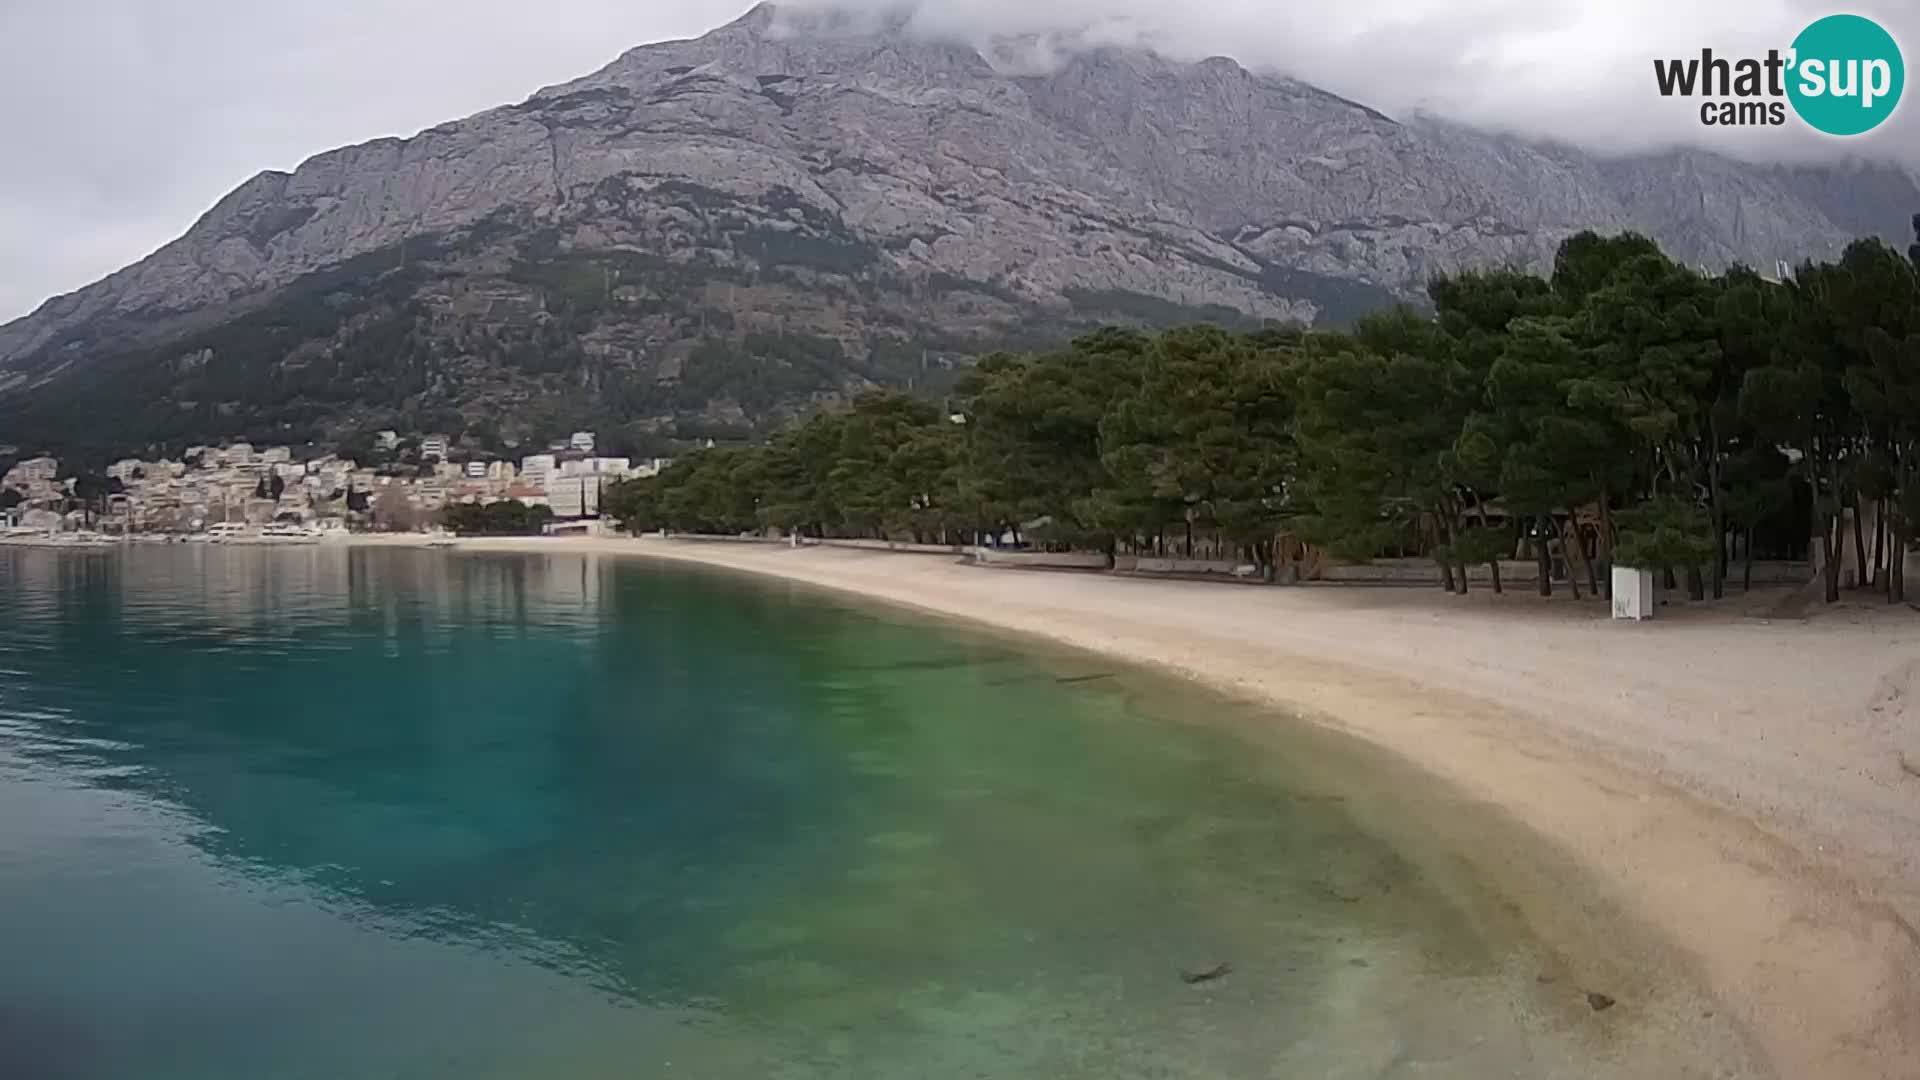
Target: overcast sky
pixel 123 120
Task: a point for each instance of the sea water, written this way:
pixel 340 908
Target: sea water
pixel 335 813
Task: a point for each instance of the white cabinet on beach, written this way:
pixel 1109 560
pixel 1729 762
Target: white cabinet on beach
pixel 1632 594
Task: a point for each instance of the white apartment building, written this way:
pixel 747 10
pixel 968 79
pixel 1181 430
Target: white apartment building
pixel 434 446
pixel 574 496
pixel 612 468
pixel 582 441
pixel 537 468
pixel 476 470
pixel 41 470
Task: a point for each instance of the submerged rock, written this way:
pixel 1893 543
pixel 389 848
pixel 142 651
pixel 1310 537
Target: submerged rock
pixel 1213 974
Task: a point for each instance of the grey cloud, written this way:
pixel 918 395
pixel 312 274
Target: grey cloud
pixel 125 119
pixel 1572 70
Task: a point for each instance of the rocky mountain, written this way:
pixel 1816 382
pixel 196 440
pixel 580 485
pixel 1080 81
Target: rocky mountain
pixel 708 235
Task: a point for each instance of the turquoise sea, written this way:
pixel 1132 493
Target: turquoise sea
pixel 338 813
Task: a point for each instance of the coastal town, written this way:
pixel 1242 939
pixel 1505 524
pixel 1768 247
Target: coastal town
pixel 239 490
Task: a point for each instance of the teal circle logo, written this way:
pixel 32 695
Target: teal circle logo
pixel 1847 75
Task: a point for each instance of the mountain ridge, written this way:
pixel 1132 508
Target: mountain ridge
pixel 917 179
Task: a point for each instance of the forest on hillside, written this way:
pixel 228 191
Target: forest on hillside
pixel 1627 409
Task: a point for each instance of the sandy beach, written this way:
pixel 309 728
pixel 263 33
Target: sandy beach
pixel 1742 789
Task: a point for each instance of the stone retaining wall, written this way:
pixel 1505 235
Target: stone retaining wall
pixel 1040 560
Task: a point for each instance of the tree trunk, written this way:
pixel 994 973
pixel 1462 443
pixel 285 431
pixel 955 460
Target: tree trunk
pixel 1719 514
pixel 1859 544
pixel 1576 549
pixel 1897 573
pixel 1746 575
pixel 1480 508
pixel 1900 534
pixel 1696 583
pixel 1604 550
pixel 1453 540
pixel 1543 554
pixel 1436 540
pixel 1830 535
pixel 1880 579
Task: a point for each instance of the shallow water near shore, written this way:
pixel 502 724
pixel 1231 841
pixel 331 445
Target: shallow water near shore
pixel 327 813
